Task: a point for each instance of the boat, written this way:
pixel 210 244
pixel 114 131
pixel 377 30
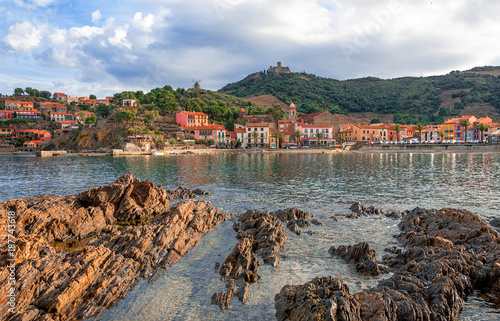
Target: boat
pixel 157 153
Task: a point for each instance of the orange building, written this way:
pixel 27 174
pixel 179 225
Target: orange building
pixel 19 105
pixel 191 118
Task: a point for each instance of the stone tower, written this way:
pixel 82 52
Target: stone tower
pixel 292 113
pixel 242 113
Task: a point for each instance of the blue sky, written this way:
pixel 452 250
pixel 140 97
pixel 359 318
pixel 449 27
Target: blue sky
pixel 94 47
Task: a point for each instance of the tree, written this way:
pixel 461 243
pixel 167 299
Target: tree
pixel 397 129
pixel 441 134
pixel 102 110
pixel 45 94
pixel 151 116
pixel 91 120
pixel 465 123
pixel 482 127
pixel 341 139
pixel 375 121
pixel 211 142
pixel 319 136
pixel 92 97
pixel 18 91
pixel 419 127
pixel 255 135
pixel 124 115
pixel 276 136
pixel 297 135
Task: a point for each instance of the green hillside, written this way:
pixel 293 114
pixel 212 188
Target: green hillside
pixel 411 99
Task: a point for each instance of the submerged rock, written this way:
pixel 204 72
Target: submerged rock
pixel 182 193
pixel 111 249
pixel 450 253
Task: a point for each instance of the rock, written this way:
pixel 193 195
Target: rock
pixel 180 192
pixel 450 254
pixel 334 218
pixel 316 222
pixel 362 256
pixel 259 233
pixel 295 219
pixel 323 298
pixel 352 216
pixel 356 207
pixel 82 282
pixel 200 192
pixel 223 299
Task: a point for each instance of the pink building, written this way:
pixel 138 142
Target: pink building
pixel 191 119
pixel 215 132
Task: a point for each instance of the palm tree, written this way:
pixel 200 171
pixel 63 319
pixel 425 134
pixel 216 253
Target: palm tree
pixel 255 135
pixel 441 134
pixel 297 135
pixel 319 136
pixel 397 129
pixel 482 127
pixel 277 136
pixel 465 123
pixel 419 128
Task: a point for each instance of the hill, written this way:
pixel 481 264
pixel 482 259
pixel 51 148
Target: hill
pixel 410 99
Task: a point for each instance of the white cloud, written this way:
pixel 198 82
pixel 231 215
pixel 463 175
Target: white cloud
pixel 96 16
pixel 33 3
pixel 24 37
pixel 120 38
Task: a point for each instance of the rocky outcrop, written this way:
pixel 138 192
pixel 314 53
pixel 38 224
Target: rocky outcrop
pixel 82 282
pixel 182 193
pixel 359 210
pixel 295 219
pixel 324 298
pixel 449 254
pixel 259 233
pixel 362 256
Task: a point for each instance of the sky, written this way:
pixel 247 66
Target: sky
pixel 96 47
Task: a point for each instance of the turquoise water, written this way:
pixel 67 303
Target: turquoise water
pixel 323 184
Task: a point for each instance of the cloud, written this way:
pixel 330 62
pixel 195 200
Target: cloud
pixel 96 16
pixel 24 37
pixel 149 43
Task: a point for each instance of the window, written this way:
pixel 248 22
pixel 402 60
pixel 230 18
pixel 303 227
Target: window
pixel 305 131
pixel 262 129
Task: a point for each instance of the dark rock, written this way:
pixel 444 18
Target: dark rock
pixel 352 216
pixel 334 218
pixel 316 222
pixel 450 253
pixel 200 192
pixel 356 207
pixel 362 256
pixel 180 192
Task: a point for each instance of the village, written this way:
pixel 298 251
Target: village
pixel 194 129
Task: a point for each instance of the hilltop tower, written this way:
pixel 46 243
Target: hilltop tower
pixel 242 113
pixel 279 69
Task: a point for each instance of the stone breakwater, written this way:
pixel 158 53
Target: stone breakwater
pixel 77 255
pixel 448 254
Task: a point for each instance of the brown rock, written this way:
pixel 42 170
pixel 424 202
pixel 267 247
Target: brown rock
pixel 63 285
pixel 362 256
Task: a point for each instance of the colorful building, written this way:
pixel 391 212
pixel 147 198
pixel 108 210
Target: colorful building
pixel 53 107
pixel 18 105
pixel 191 119
pixel 60 96
pixel 366 133
pixel 33 133
pixel 310 134
pixel 60 117
pixel 260 140
pixel 215 132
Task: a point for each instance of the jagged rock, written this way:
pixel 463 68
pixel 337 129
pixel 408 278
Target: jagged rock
pixel 295 219
pixel 82 282
pixel 223 299
pixel 200 192
pixel 362 256
pixel 180 192
pixel 259 233
pixel 324 298
pixel 450 253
